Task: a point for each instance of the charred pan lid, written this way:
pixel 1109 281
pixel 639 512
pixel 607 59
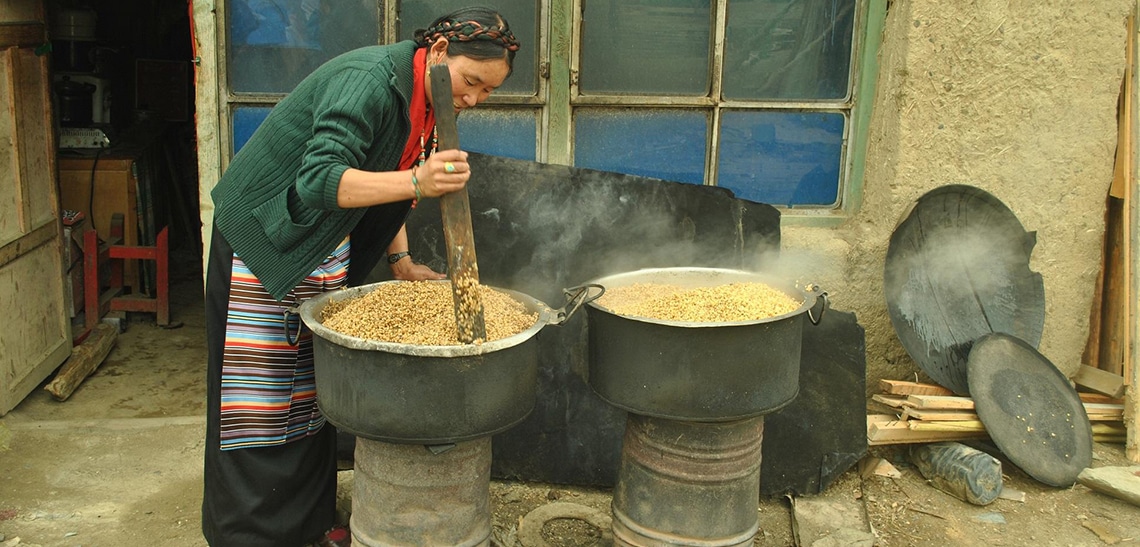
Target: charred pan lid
pixel 1030 410
pixel 957 269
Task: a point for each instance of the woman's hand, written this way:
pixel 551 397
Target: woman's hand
pixel 444 172
pixel 407 270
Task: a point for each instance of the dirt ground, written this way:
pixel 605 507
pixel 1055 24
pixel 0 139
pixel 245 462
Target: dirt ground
pixel 904 511
pixel 119 463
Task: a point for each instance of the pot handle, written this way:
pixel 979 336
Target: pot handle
pixel 821 302
pixel 576 297
pixel 291 312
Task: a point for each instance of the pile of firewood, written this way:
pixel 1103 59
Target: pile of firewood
pixel 921 413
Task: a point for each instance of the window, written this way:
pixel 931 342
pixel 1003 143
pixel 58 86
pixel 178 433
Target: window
pixel 757 96
pixel 273 44
pixel 751 95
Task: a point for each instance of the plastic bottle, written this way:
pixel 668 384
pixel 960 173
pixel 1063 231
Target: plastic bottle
pixel 963 472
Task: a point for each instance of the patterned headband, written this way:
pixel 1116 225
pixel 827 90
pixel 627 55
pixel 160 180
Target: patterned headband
pixel 469 31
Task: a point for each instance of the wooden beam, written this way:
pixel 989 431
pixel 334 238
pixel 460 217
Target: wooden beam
pixel 885 429
pixel 964 425
pixel 943 402
pixel 1099 398
pixel 22 35
pixel 893 401
pixel 903 387
pixel 25 244
pixel 1131 371
pixel 85 358
pixel 940 415
pixel 1099 381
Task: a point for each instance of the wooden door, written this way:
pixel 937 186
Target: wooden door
pixel 36 336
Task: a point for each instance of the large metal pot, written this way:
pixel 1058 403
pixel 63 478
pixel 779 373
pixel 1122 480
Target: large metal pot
pixel 698 371
pixel 405 393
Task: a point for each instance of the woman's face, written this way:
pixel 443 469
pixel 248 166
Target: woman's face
pixel 472 80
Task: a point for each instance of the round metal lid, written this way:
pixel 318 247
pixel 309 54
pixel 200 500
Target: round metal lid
pixel 1030 410
pixel 957 268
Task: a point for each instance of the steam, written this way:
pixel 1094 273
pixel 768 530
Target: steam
pixel 951 286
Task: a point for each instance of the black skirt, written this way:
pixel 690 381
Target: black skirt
pixel 276 496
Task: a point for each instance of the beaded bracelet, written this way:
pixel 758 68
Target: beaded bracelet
pixel 416 187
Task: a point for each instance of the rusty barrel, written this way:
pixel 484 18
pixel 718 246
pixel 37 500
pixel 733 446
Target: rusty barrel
pixel 688 483
pixel 405 494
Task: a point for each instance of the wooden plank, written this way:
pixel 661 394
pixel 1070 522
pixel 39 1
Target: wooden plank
pixel 1099 381
pixel 1095 411
pixel 1099 398
pixel 28 243
pixel 37 337
pixel 1104 412
pixel 943 415
pixel 22 35
pixel 903 387
pixel 21 11
pixel 965 425
pixel 1108 429
pixel 1132 216
pixel 1103 408
pixel 36 138
pixel 1126 305
pixel 1123 168
pixel 884 430
pixel 944 402
pixel 1095 419
pixel 893 401
pixel 462 265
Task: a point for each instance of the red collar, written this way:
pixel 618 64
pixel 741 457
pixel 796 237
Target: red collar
pixel 422 118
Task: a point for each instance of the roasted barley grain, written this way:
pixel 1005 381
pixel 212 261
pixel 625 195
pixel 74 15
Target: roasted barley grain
pixel 422 313
pixel 749 301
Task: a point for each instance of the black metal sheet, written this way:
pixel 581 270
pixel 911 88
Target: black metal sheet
pixel 540 228
pixel 823 432
pixel 1030 410
pixel 957 268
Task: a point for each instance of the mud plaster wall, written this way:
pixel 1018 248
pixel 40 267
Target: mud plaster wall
pixel 1015 97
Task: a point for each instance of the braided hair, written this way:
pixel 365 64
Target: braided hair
pixel 475 32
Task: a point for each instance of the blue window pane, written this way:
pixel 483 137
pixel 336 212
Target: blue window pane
pixel 659 143
pixel 652 47
pixel 273 44
pixel 781 158
pixel 522 15
pixel 500 132
pixel 783 49
pixel 246 120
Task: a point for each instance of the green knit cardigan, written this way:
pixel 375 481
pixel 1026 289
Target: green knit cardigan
pixel 276 203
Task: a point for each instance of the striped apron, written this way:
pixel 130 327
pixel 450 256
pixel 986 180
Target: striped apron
pixel 268 391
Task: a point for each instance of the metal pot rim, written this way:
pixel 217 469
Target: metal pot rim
pixel 310 314
pixel 806 296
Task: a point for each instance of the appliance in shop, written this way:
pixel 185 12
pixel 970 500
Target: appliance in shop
pixel 82 92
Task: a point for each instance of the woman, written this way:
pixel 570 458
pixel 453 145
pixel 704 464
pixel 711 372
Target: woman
pixel 332 172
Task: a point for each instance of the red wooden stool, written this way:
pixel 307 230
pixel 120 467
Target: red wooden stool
pixel 97 303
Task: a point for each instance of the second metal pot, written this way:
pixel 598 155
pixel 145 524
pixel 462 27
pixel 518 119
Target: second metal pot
pixel 698 371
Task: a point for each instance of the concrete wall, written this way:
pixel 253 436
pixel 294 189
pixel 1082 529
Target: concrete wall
pixel 1017 97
